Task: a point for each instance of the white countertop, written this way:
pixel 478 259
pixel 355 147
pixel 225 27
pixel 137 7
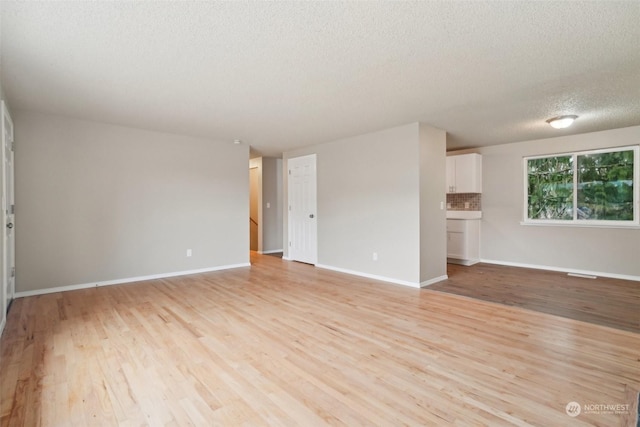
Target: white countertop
pixel 464 214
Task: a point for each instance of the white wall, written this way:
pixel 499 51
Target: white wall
pixel 96 202
pixel 368 201
pixel 433 216
pixel 504 239
pixel 369 191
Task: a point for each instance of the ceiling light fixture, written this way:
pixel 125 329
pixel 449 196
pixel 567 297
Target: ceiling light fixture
pixel 562 122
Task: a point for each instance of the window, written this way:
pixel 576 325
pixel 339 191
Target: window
pixel 593 188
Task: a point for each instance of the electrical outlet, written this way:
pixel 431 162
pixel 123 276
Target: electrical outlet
pixel 375 256
pixel 189 252
pixel 268 205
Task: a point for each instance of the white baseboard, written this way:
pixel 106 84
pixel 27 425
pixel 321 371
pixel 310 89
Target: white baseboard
pixel 127 280
pixel 274 251
pixel 434 280
pixel 370 276
pixel 286 258
pixel 563 270
pixel 466 262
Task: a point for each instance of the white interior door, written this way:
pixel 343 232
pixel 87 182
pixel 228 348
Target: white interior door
pixel 303 230
pixel 8 236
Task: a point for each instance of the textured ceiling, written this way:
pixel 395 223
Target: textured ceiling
pixel 283 75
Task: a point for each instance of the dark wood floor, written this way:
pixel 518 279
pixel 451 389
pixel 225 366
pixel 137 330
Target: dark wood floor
pixel 602 301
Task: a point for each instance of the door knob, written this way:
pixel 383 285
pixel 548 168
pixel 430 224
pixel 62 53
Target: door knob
pixel 10 225
pixel 311 216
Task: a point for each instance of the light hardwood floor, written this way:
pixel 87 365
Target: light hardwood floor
pixel 283 343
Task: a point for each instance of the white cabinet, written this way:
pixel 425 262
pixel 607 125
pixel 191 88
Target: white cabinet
pixel 463 241
pixel 464 173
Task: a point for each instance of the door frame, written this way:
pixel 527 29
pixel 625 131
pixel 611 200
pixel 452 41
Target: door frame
pixel 7 255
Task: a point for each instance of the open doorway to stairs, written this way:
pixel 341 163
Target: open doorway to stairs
pixel 254 195
pixel 265 205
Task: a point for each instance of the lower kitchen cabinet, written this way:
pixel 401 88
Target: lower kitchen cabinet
pixel 463 241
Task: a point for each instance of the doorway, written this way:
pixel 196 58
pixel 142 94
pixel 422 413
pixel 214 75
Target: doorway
pixel 265 205
pixel 254 208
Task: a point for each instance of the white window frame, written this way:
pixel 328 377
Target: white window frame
pixel 584 222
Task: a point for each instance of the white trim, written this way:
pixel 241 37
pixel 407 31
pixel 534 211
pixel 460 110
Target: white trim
pixel 2 323
pixel 460 261
pixel 584 276
pixel 563 270
pixel 270 252
pixel 370 276
pixel 434 280
pixel 569 223
pixel 286 258
pixel 126 280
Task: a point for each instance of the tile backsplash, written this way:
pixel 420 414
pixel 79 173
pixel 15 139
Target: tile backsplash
pixel 456 202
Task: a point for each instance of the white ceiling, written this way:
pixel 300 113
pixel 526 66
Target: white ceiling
pixel 283 75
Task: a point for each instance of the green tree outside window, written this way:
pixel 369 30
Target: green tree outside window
pixel 551 188
pixel 596 186
pixel 605 186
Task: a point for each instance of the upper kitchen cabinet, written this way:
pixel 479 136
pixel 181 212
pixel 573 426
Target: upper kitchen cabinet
pixel 464 173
